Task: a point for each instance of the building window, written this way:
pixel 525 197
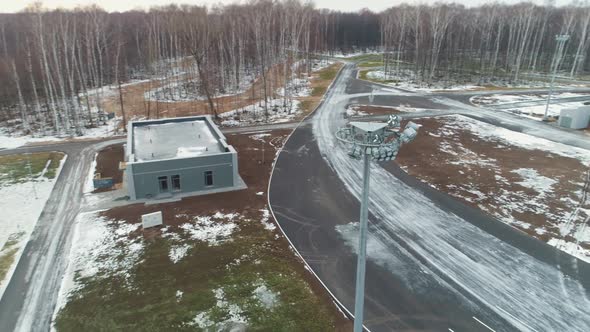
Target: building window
pixel 175 182
pixel 208 178
pixel 163 180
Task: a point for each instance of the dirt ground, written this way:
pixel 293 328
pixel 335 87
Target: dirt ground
pixel 136 106
pixel 254 168
pixel 107 164
pixel 376 110
pixel 488 175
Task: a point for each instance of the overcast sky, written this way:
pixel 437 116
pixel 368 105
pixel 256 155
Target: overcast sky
pixel 10 6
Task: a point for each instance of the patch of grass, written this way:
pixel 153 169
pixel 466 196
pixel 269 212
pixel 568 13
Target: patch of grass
pixel 8 252
pixel 147 300
pixel 306 105
pixel 6 260
pixel 370 64
pixel 363 76
pixel 318 91
pixel 328 73
pixel 21 168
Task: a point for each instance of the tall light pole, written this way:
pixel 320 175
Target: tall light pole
pixel 378 141
pixel 561 39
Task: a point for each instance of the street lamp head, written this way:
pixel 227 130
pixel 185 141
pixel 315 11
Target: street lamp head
pixel 410 132
pixel 378 140
pixel 393 121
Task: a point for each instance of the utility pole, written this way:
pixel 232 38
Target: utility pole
pixel 378 141
pixel 561 39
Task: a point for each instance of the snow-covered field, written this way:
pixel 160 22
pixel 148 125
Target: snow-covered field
pixel 537 198
pixel 408 81
pixel 536 112
pixel 502 99
pixel 17 139
pixel 236 319
pixel 21 206
pixel 529 105
pixel 180 89
pixel 101 248
pixel 297 87
pixel 354 110
pixel 279 110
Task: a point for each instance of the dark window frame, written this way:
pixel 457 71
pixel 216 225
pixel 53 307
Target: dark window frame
pixel 175 181
pixel 208 177
pixel 163 180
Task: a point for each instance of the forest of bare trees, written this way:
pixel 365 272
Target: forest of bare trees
pixel 52 62
pixel 491 41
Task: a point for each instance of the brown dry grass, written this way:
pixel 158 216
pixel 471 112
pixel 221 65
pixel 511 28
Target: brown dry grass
pixel 474 165
pixel 257 242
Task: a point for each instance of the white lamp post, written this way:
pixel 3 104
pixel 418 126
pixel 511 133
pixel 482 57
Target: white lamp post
pixel 381 142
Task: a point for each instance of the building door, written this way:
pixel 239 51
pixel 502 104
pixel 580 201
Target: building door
pixel 163 181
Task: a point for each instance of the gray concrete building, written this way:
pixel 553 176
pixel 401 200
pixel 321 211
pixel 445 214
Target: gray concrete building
pixel 178 157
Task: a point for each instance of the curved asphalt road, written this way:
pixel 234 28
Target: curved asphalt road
pixel 434 263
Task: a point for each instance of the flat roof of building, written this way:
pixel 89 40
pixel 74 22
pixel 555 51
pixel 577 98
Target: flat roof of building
pixel 175 138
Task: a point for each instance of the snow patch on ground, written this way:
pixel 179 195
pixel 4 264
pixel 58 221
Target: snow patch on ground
pixel 89 185
pixel 511 203
pixel 21 206
pixel 571 248
pixel 18 139
pixel 13 141
pixel 279 110
pixel 407 80
pixel 354 110
pixel 181 89
pixel 236 319
pixel 502 99
pixel 267 297
pixel 297 87
pixel 508 137
pixel 100 248
pixel 537 112
pixel 265 220
pixel 178 252
pixel 532 180
pixel 210 229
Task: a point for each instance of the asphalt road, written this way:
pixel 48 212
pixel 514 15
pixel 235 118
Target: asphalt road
pixel 434 263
